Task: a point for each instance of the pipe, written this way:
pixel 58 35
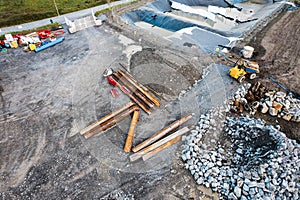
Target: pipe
pixel 155 93
pixel 157 144
pixel 162 147
pixel 124 67
pixel 133 89
pixel 128 73
pixel 112 81
pixel 132 81
pixel 129 139
pixel 106 117
pixel 162 133
pixel 113 121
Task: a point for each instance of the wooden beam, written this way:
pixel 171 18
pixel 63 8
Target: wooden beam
pixel 153 146
pixel 132 81
pixel 129 139
pixel 158 149
pixel 162 133
pixel 106 117
pixel 113 121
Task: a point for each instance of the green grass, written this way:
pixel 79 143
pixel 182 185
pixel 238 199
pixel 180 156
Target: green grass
pixel 114 7
pixel 13 12
pixel 55 25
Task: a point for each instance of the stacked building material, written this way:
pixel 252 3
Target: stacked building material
pixel 137 92
pixel 112 119
pixel 160 141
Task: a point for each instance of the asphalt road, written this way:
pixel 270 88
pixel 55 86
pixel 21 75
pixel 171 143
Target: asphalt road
pixel 60 19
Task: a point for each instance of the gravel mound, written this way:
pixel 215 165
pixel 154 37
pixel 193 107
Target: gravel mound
pixel 249 160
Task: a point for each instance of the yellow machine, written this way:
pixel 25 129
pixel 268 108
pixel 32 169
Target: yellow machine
pixel 243 68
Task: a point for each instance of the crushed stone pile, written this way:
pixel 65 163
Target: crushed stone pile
pixel 251 160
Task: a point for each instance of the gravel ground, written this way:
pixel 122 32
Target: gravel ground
pixel 48 97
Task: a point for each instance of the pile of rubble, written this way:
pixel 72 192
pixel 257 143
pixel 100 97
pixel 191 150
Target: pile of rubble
pixel 250 160
pixel 256 98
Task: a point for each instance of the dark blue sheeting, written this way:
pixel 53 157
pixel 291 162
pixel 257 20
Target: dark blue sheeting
pixel 219 3
pixel 50 44
pixel 206 40
pixel 162 20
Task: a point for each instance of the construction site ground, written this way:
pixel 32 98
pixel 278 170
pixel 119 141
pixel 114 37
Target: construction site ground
pixel 48 97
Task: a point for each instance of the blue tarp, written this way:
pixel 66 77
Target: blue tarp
pixel 50 44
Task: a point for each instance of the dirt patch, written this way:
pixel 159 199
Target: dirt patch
pixel 279 56
pixel 277 50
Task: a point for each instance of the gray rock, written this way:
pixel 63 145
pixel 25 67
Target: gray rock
pixel 252 191
pixel 296 195
pixel 183 157
pixel 196 176
pixel 261 192
pixel 193 171
pixel 255 176
pixel 219 163
pixel 232 196
pixel 214 184
pixel 206 184
pixel 210 165
pixel 246 187
pixel 284 184
pixel 241 174
pixel 188 155
pixel 226 186
pixel 243 197
pixel 200 181
pixel 229 173
pixel 247 175
pixel 275 182
pixel 252 184
pixel 239 151
pixel 237 191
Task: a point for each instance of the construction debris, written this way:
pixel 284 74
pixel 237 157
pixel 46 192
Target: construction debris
pixel 162 133
pixel 159 143
pixel 129 86
pixel 129 93
pixel 106 118
pixel 276 103
pixel 111 122
pixel 35 41
pixel 135 118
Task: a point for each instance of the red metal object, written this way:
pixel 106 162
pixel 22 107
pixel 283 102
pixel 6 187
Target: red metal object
pixel 58 33
pixel 114 93
pixel 43 34
pixel 111 80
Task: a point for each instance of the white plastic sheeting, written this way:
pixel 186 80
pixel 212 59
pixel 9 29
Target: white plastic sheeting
pixel 217 10
pixel 188 9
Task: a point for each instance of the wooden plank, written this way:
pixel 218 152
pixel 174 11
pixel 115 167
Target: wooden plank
pixel 111 122
pixel 153 146
pixel 129 139
pixel 162 147
pixel 162 133
pixel 106 117
pixel 132 81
